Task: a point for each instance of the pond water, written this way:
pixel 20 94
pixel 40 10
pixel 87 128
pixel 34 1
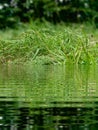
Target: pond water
pixel 35 97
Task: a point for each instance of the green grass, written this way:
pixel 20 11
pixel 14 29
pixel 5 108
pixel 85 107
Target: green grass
pixel 49 44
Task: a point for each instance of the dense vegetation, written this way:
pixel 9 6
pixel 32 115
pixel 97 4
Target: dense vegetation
pixel 12 12
pixel 50 44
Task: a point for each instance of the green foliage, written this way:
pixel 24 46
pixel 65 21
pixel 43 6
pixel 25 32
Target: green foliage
pixel 7 17
pixel 16 11
pixel 46 43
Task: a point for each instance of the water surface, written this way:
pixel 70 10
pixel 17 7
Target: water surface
pixel 36 97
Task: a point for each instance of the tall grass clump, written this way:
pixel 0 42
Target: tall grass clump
pixel 48 44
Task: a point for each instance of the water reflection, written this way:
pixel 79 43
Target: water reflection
pixel 48 97
pixel 14 116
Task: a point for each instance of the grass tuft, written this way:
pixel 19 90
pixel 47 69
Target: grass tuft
pixel 49 44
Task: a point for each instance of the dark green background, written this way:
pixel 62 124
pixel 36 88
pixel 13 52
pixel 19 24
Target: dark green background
pixel 55 11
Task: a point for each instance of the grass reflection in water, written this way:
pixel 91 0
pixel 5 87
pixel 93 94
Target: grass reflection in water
pixel 48 97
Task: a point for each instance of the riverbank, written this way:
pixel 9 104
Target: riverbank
pixel 49 44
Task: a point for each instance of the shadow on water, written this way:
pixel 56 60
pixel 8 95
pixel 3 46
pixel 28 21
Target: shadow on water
pixel 48 97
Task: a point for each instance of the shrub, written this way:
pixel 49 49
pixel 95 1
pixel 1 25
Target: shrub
pixel 16 11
